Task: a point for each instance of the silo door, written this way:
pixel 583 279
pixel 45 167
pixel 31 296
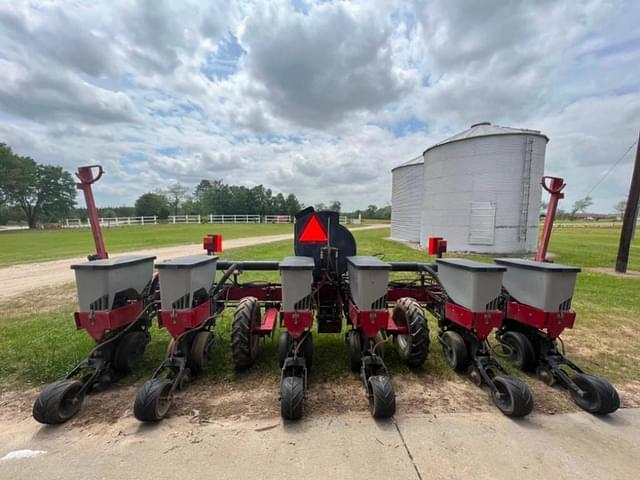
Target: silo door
pixel 482 223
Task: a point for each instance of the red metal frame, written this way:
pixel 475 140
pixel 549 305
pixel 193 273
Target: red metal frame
pixel 178 321
pixel 554 187
pixel 296 322
pixel 272 293
pixel 370 322
pixel 268 322
pixel 553 322
pixel 482 322
pixel 99 323
pixel 86 177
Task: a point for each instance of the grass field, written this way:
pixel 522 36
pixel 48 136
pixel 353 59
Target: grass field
pixel 39 343
pixel 37 245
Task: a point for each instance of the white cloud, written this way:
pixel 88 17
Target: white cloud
pixel 320 99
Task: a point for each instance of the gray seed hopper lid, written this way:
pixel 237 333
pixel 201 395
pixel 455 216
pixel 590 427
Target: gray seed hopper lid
pixel 533 265
pixel 297 263
pixel 113 263
pixel 470 265
pixel 187 262
pixel 368 263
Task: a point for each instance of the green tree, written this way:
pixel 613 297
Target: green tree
pixel 620 207
pixel 43 192
pixel 176 195
pixel 152 204
pixel 581 205
pixel 335 206
pixel 292 204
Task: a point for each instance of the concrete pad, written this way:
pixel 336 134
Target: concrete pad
pixel 491 446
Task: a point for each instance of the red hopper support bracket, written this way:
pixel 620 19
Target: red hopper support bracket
pixel 87 178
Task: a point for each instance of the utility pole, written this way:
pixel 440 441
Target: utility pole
pixel 630 215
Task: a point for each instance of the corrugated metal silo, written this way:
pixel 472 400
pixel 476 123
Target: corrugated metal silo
pixel 482 189
pixel 407 186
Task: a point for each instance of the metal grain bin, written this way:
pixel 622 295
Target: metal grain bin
pixel 547 286
pixel 98 282
pixel 482 189
pixel 473 285
pixel 183 278
pixel 368 281
pixel 407 187
pixel 297 277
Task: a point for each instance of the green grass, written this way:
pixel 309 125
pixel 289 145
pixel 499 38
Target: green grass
pixel 39 348
pixel 37 245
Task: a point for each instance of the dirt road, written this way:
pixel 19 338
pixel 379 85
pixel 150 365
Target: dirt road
pixel 481 445
pixel 18 279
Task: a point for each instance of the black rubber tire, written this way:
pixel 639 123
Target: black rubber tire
pixel 152 402
pixel 522 355
pixel 58 402
pixel 307 350
pixel 601 397
pixel 414 347
pixel 284 346
pixel 130 351
pixel 292 398
pixel 199 351
pixel 382 403
pixel 455 351
pixel 516 400
pixel 355 350
pixel 244 342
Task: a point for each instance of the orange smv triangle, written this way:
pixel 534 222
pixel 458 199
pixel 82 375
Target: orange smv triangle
pixel 313 232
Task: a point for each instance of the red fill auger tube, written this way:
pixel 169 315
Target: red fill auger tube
pixel 117 303
pixel 537 304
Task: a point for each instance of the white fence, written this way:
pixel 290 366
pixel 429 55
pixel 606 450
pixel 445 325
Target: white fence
pixel 192 219
pixel 277 219
pixel 234 218
pixel 184 219
pixel 112 222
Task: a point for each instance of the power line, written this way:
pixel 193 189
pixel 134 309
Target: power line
pixel 606 174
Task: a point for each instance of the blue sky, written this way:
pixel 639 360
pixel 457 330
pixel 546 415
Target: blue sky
pixel 320 99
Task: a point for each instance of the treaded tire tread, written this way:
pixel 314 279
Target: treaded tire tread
pixel 241 333
pixel 46 408
pixel 418 327
pixel 292 398
pixel 144 407
pixel 383 403
pixel 520 396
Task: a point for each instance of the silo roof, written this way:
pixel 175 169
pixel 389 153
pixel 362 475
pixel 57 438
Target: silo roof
pixel 486 129
pixel 414 161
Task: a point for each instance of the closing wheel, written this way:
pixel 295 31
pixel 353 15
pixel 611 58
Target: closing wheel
pixel 521 351
pixel 58 402
pixel 512 396
pixel 199 352
pixel 355 350
pixel 292 398
pixel 153 400
pixel 130 351
pixel 413 347
pixel 244 341
pixel 600 396
pixel 382 401
pixel 455 350
pixel 284 346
